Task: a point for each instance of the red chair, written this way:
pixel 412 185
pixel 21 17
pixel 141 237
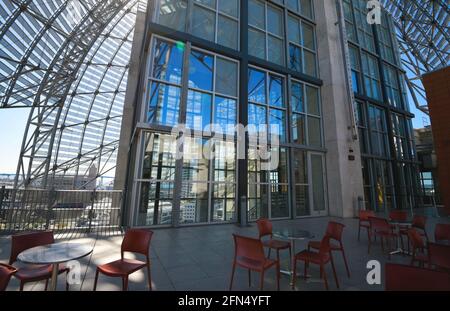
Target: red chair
pixel 381 227
pixel 408 278
pixel 439 256
pixel 334 231
pixel 265 229
pixel 320 258
pixel 34 273
pixel 398 216
pixel 249 254
pixel 418 247
pixel 6 272
pixel 418 223
pixel 364 221
pixel 135 241
pixel 442 233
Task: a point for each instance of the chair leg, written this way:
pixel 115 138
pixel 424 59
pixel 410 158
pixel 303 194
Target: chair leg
pixel 369 244
pixel 345 261
pixel 261 281
pixel 294 273
pixel 149 275
pixel 96 279
pixel 334 271
pixel 268 255
pixel 232 275
pixel 278 275
pixel 46 285
pixel 278 256
pixel 22 285
pixel 305 275
pixel 359 233
pixel 125 283
pixel 249 278
pixel 324 276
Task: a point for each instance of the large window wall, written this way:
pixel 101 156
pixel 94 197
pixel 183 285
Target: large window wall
pixel 384 122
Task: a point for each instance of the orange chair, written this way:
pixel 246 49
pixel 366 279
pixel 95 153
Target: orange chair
pixel 380 227
pixel 265 229
pixel 249 254
pixel 6 272
pixel 24 241
pixel 320 258
pixel 439 256
pixel 135 241
pixel 418 248
pixel 409 278
pixel 334 231
pixel 364 221
pixel 442 233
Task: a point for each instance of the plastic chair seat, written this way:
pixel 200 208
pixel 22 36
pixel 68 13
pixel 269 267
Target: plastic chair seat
pixel 316 245
pixel 313 257
pixel 122 267
pixel 37 272
pixel 276 244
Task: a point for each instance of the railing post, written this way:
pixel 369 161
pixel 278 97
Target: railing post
pixel 51 203
pixel 91 212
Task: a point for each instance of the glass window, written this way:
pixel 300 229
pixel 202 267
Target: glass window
pixel 307 8
pixel 164 104
pixel 274 21
pixel 371 76
pixel 230 7
pixel 276 97
pixel 225 114
pixel 308 36
pixel 277 121
pixel 312 99
pixel 297 103
pixel 201 71
pixel 172 13
pixel 294 34
pixel 167 62
pixel 295 58
pixel 257 43
pixel 314 132
pixel 226 77
pixel 227 32
pixel 310 63
pixel 257 17
pixel 256 86
pixel 298 125
pixel 276 50
pixel 198 110
pixel 302 55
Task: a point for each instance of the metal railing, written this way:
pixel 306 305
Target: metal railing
pixel 63 211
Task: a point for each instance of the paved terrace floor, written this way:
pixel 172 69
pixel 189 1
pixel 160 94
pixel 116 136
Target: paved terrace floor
pixel 200 258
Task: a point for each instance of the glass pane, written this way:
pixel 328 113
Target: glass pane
pixel 230 7
pixel 159 157
pixel 298 129
pixel 279 201
pixel 277 124
pixel 295 58
pixel 256 118
pixel 300 171
pixel 274 21
pixel 257 18
pixel 155 206
pixel 225 117
pixel 198 110
pixel 194 203
pixel 227 32
pixel 293 5
pixel 201 71
pixel 203 23
pixel 168 62
pixel 301 200
pixel 314 133
pixel 210 3
pixel 294 30
pixel 297 97
pixel 164 104
pixel 276 97
pixel 172 13
pixel 280 174
pixel 312 99
pixel 318 183
pixel 310 63
pixel 256 43
pixel 308 36
pixel 256 173
pixel 258 201
pixel 276 50
pixel 223 202
pixel 256 86
pixel 224 161
pixel 195 165
pixel 226 77
pixel 306 6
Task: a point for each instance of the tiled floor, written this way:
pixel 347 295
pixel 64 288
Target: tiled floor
pixel 199 258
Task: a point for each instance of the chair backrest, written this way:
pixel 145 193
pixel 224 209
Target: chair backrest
pixel 415 238
pixel 248 248
pixel 442 232
pixel 324 249
pixel 379 224
pixel 398 215
pixel 6 271
pixel 365 214
pixel 419 221
pixel 264 227
pixel 334 230
pixel 24 241
pixel 137 241
pixel 439 255
pixel 410 278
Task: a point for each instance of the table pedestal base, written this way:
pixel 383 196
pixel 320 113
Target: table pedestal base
pixel 54 280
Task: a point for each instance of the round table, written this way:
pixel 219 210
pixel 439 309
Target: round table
pixel 293 235
pixel 399 224
pixel 55 254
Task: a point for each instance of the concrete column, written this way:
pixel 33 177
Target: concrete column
pixel 344 173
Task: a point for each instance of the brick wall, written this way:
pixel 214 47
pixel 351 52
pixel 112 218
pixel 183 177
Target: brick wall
pixel 437 86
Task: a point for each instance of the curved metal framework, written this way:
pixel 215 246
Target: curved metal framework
pixel 67 60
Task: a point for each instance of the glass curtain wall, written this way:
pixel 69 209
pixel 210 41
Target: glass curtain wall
pixel 384 121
